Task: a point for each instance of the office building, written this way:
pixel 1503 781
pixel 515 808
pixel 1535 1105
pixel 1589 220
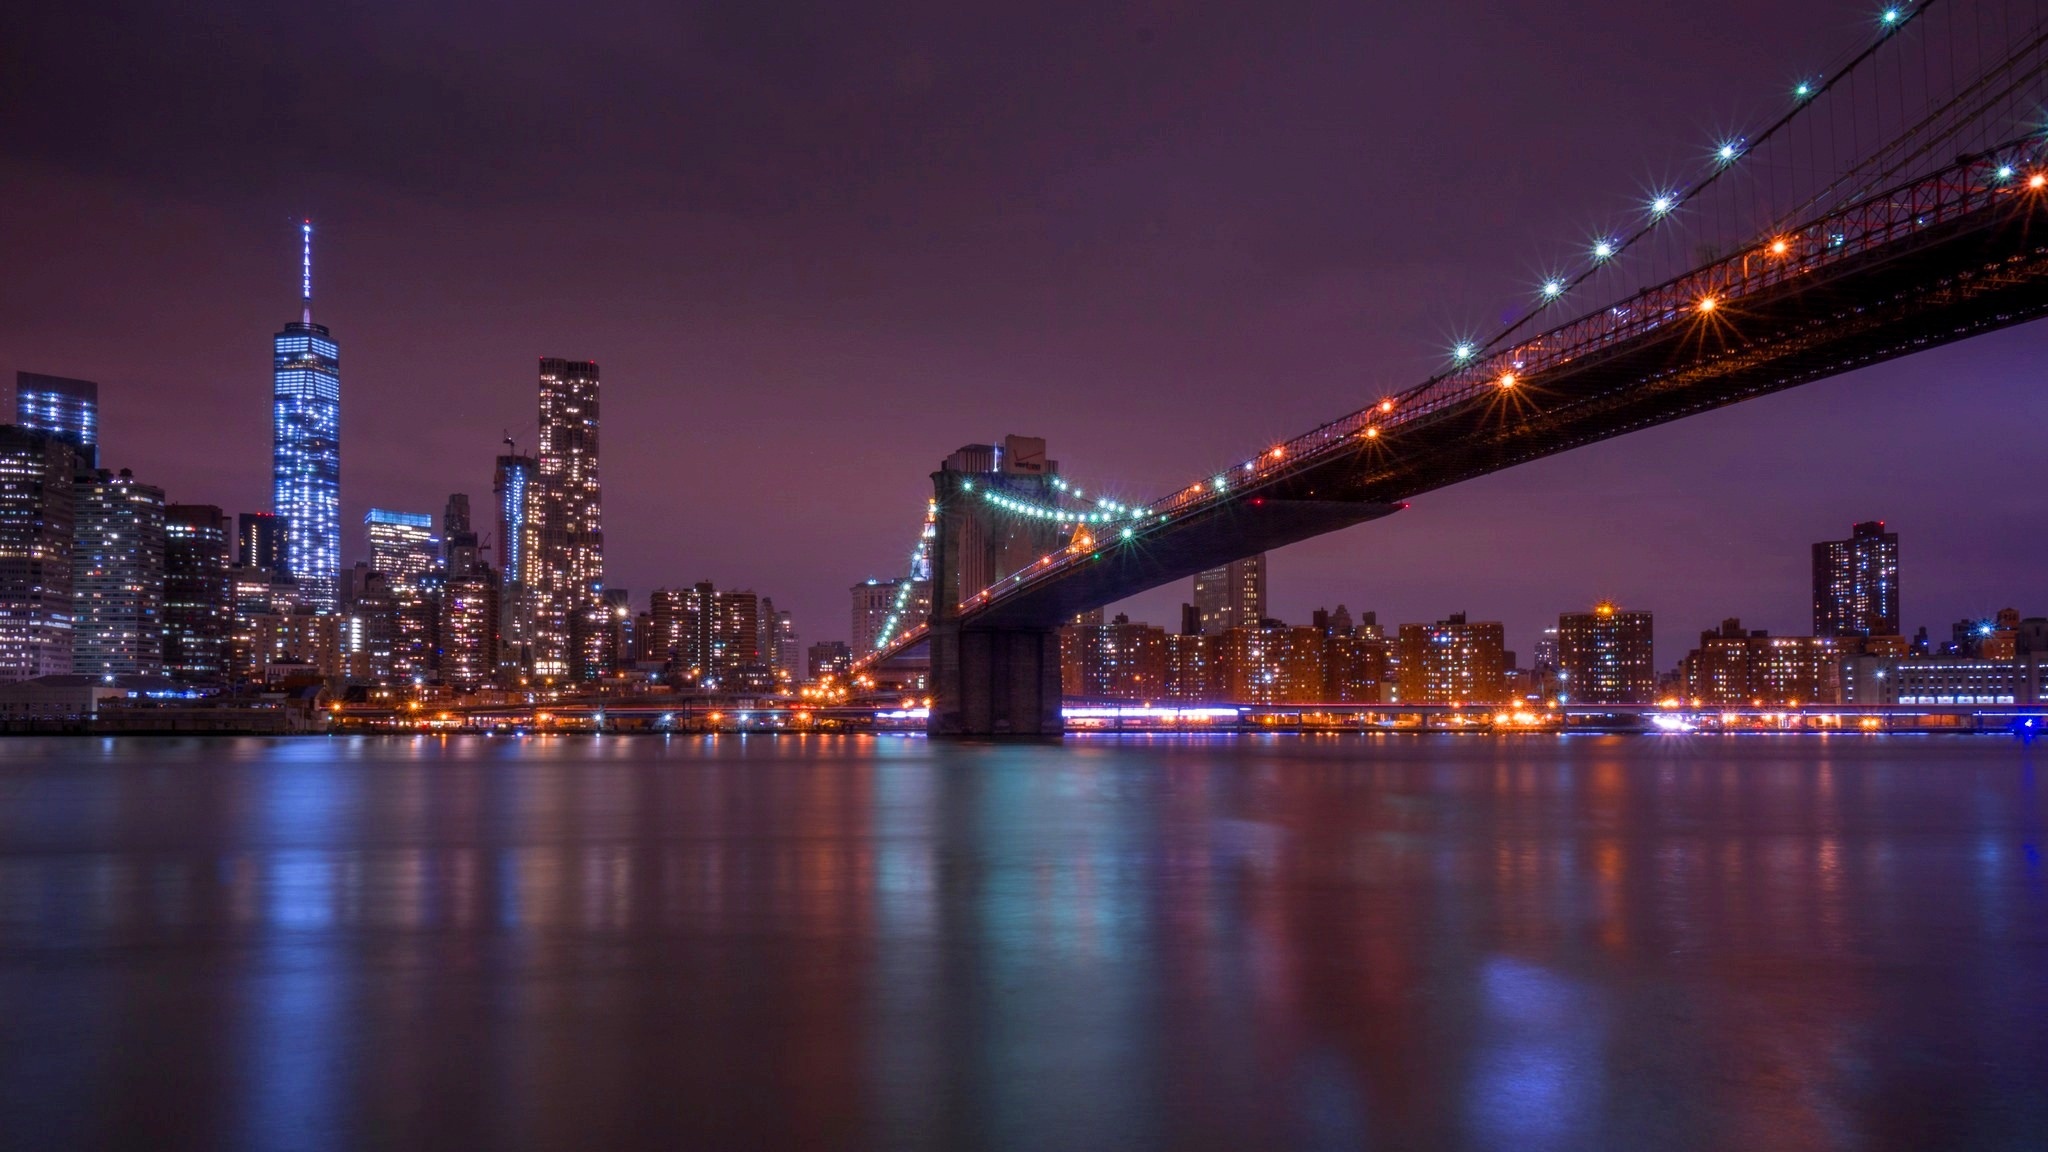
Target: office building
pixel 461 549
pixel 403 546
pixel 1232 596
pixel 514 481
pixel 568 506
pixel 61 407
pixel 1452 662
pixel 1856 583
pixel 306 445
pixel 117 576
pixel 37 504
pixel 198 602
pixel 876 603
pixel 1605 657
pixel 260 543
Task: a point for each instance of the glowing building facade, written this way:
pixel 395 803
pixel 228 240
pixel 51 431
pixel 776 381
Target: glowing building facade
pixel 61 407
pixel 567 506
pixel 1856 583
pixel 117 576
pixel 1232 596
pixel 1605 656
pixel 306 447
pixel 36 513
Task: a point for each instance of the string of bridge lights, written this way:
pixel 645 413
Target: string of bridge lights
pixel 1665 204
pixel 920 557
pixel 1106 511
pixel 1605 249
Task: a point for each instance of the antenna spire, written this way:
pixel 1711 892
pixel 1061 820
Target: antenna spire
pixel 306 269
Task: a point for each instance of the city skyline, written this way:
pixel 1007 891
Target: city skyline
pixel 1696 521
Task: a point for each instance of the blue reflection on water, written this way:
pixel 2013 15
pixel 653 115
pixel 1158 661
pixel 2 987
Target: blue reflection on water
pixel 1536 1073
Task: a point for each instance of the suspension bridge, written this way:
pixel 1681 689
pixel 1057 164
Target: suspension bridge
pixel 1897 202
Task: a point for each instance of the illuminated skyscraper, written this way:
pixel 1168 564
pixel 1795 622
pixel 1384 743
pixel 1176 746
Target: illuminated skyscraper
pixel 117 576
pixel 36 510
pixel 1232 596
pixel 306 446
pixel 514 483
pixel 402 546
pixel 61 407
pixel 568 561
pixel 1856 583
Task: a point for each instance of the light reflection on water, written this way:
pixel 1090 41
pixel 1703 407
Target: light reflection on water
pixel 813 942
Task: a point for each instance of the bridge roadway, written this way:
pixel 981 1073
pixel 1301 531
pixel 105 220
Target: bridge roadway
pixel 1953 255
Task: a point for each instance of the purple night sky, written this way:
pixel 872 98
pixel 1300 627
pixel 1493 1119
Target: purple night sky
pixel 815 247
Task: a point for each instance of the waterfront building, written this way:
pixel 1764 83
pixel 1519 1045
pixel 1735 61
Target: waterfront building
pixel 37 506
pixel 1735 667
pixel 370 634
pixel 306 445
pixel 61 407
pixel 1232 596
pixel 1605 656
pixel 1114 661
pixel 260 542
pixel 1357 667
pixel 297 646
pixel 786 653
pixel 1856 583
pixel 1191 672
pixel 198 602
pixel 253 592
pixel 567 506
pixel 1453 661
pixel 1886 680
pixel 830 658
pixel 1275 664
pixel 117 576
pixel 732 641
pixel 673 632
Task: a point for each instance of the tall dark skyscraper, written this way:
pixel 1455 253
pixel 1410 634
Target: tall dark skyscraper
pixel 62 407
pixel 198 600
pixel 1856 583
pixel 306 445
pixel 259 542
pixel 514 484
pixel 568 561
pixel 36 519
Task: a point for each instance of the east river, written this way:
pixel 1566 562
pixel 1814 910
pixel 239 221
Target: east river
pixel 1647 942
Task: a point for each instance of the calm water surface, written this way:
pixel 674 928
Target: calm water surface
pixel 1295 942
